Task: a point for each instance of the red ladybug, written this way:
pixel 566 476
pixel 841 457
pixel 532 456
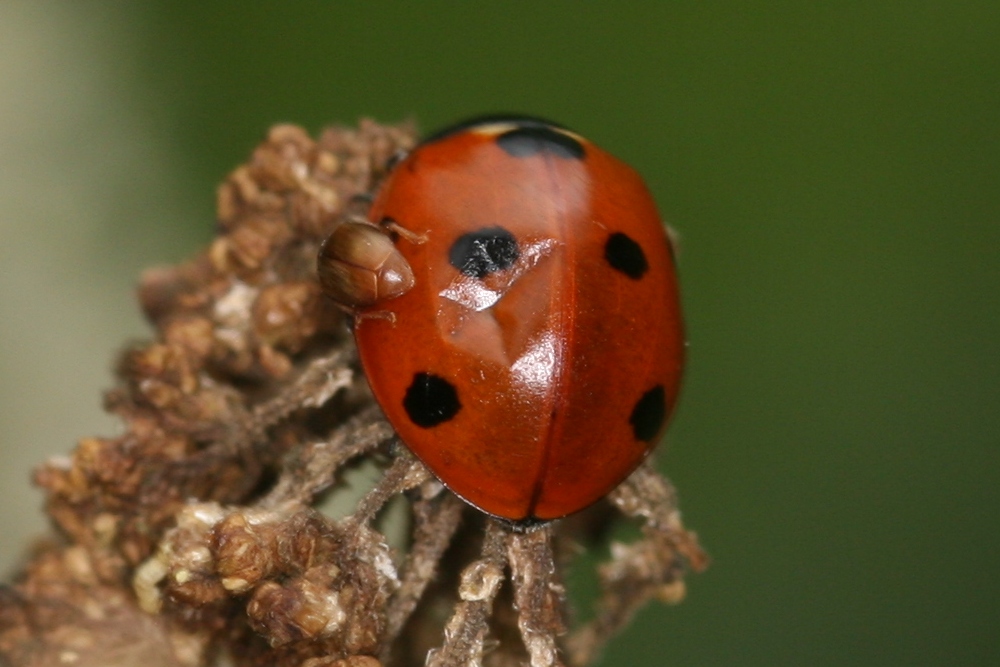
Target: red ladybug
pixel 518 316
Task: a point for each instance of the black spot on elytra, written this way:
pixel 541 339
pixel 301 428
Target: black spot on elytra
pixel 527 141
pixel 625 255
pixel 431 400
pixel 484 251
pixel 519 120
pixel 649 413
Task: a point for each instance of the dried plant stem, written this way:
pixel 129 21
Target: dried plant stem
pixel 465 633
pixel 436 520
pixel 538 597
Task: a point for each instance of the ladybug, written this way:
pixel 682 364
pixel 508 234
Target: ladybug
pixel 516 313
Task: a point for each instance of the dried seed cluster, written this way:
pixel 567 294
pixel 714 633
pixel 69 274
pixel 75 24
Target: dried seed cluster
pixel 194 538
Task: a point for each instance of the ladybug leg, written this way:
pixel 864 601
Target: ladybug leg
pixel 372 315
pixel 391 225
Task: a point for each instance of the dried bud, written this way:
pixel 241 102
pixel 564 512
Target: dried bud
pixel 284 316
pixel 244 551
pixel 352 661
pixel 246 249
pixel 480 581
pixel 301 609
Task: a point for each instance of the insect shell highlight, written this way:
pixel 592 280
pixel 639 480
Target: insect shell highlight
pixel 517 314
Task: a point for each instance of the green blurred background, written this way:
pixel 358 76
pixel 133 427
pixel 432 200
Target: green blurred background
pixel 834 169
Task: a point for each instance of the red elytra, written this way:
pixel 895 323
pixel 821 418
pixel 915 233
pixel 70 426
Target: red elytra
pixel 536 359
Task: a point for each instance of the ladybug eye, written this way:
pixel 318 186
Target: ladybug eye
pixel 480 253
pixel 649 414
pixel 625 255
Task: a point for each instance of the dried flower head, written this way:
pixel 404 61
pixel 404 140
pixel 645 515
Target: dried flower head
pixel 196 538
